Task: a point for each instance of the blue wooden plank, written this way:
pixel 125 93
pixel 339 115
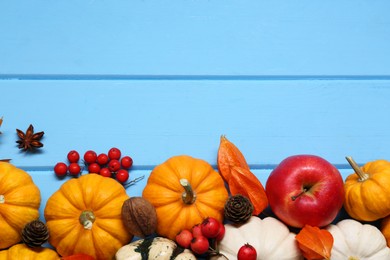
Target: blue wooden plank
pixel 153 120
pixel 195 37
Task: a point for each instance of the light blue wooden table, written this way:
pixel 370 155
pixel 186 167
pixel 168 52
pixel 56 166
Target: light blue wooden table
pixel 163 78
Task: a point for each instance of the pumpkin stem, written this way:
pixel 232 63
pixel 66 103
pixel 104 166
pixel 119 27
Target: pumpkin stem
pixel 86 219
pixel 2 199
pixel 362 175
pixel 188 195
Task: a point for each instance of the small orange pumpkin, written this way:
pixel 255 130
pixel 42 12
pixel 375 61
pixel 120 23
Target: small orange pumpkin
pixel 184 190
pixel 22 251
pixel 367 191
pixel 20 199
pixel 84 217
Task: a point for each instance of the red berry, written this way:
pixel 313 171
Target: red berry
pixel 196 231
pixel 73 156
pixel 114 154
pixel 90 156
pixel 114 165
pixel 210 227
pixel 122 175
pixel 105 172
pixel 94 168
pixel 60 169
pixel 247 252
pixel 221 232
pixel 102 159
pixel 126 162
pixel 74 169
pixel 200 245
pixel 184 238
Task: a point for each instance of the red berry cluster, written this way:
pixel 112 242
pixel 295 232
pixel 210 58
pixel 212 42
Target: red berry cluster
pixel 202 236
pixel 109 164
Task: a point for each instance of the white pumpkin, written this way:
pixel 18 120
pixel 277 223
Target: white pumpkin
pixel 356 241
pixel 269 236
pixel 155 248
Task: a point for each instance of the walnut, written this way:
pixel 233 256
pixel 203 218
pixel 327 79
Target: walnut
pixel 139 217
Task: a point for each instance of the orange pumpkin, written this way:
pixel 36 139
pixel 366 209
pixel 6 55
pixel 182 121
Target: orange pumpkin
pixel 21 251
pixel 84 217
pixel 184 191
pixel 367 191
pixel 20 199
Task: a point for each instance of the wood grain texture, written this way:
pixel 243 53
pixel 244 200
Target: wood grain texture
pixel 153 120
pixel 194 37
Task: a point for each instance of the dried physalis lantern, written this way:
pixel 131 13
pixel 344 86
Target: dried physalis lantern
pixel 29 140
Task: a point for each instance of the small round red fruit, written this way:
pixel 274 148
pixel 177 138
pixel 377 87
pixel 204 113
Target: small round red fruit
pixel 74 169
pixel 221 232
pixel 126 162
pixel 200 245
pixel 105 172
pixel 247 252
pixel 90 156
pixel 184 238
pixel 114 154
pixel 197 230
pixel 94 168
pixel 60 169
pixel 102 159
pixel 122 175
pixel 114 165
pixel 210 227
pixel 73 156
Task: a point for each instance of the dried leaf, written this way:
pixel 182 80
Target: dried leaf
pixel 229 156
pixel 243 181
pixel 1 121
pixel 5 160
pixel 315 243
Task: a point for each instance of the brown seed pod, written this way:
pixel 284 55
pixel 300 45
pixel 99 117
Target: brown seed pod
pixel 139 217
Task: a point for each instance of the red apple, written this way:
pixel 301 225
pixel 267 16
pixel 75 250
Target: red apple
pixel 305 189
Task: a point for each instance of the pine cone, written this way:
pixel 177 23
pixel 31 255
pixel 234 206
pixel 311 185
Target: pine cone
pixel 238 209
pixel 35 233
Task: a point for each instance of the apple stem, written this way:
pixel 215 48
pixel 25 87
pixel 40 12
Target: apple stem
pixel 362 175
pixel 293 198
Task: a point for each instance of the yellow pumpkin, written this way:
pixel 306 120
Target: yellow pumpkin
pixel 367 191
pixel 184 190
pixel 84 216
pixel 20 199
pixel 21 251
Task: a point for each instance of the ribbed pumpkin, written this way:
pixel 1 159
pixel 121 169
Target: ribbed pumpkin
pixel 367 191
pixel 184 190
pixel 20 199
pixel 21 251
pixel 84 216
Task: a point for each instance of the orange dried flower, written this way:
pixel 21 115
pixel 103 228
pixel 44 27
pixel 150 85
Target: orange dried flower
pixel 315 243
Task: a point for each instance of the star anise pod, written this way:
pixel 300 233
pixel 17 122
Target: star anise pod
pixel 29 140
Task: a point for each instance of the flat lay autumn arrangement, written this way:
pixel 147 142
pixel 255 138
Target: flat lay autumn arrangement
pixel 191 210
